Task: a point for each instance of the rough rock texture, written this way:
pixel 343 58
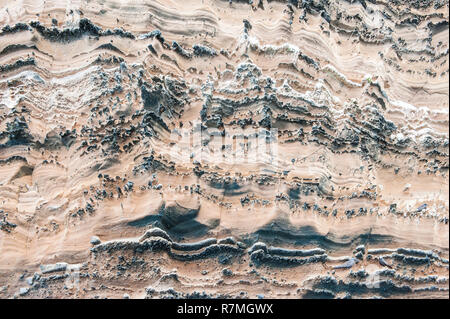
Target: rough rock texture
pixel 102 194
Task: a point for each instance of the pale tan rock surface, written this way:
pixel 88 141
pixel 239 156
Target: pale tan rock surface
pixel 350 97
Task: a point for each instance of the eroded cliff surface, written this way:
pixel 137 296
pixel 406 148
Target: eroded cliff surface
pixel 194 149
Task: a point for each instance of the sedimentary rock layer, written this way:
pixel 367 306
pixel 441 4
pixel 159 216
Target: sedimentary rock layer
pixel 234 149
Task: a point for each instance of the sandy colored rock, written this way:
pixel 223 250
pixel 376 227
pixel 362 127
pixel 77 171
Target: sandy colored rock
pixel 279 149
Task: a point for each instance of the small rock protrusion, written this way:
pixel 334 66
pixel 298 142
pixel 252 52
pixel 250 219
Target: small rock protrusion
pixel 95 240
pixel 227 272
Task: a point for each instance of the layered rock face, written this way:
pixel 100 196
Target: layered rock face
pixel 232 149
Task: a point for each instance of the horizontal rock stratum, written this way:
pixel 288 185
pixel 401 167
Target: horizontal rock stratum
pixel 224 149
